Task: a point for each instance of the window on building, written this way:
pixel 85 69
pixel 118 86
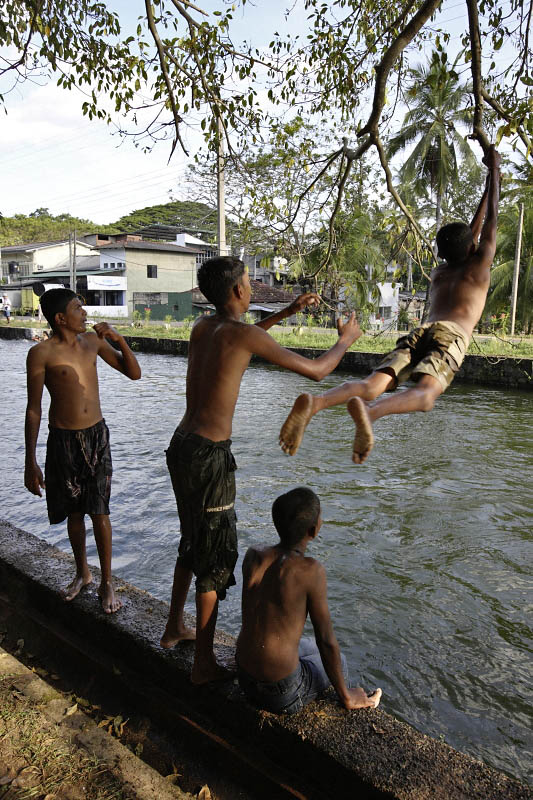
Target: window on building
pixel 106 265
pixel 151 271
pixel 385 312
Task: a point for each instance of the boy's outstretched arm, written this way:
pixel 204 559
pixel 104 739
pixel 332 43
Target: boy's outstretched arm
pixel 301 302
pixel 487 244
pixel 326 640
pixel 260 343
pixel 479 216
pixel 35 373
pixel 123 361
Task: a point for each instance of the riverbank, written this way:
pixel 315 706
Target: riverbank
pixel 323 751
pixel 502 371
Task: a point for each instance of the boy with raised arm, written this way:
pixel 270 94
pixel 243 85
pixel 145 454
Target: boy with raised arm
pixel 78 459
pixel 278 670
pixel 199 457
pixel 431 353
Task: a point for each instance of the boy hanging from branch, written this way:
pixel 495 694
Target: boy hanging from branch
pixel 432 353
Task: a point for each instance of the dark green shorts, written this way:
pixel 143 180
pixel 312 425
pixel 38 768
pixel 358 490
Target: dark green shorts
pixel 203 479
pixel 78 472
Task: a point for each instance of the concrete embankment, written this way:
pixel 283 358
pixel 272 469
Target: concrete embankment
pixel 323 751
pixel 502 371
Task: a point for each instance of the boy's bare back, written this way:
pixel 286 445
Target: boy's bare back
pixel 277 587
pixel 458 291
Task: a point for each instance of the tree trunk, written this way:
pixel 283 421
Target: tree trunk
pixel 438 217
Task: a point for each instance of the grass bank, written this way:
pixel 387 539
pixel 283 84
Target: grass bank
pixel 292 336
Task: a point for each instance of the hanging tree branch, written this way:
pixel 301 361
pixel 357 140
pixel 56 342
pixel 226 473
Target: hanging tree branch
pixel 475 61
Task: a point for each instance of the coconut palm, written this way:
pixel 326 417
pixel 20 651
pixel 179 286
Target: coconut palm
pixel 499 299
pixel 438 105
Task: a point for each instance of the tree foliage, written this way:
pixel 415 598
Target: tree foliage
pixel 40 226
pixel 349 64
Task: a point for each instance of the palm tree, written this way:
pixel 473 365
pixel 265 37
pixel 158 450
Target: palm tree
pixel 502 273
pixel 438 105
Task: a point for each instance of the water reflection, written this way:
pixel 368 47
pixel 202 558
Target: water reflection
pixel 427 546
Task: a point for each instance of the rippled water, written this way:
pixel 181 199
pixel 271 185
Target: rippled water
pixel 427 545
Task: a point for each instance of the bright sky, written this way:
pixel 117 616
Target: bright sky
pixel 52 156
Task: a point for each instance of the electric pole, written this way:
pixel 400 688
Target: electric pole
pixel 221 191
pixel 514 295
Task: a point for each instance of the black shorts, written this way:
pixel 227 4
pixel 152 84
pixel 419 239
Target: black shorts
pixel 78 471
pixel 203 479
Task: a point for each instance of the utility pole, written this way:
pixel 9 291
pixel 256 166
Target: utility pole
pixel 70 259
pixel 74 276
pixel 514 295
pixel 221 191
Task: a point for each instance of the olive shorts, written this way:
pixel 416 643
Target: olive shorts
pixel 435 348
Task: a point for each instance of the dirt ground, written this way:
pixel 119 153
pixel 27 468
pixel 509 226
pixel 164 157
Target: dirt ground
pixel 36 761
pixel 39 759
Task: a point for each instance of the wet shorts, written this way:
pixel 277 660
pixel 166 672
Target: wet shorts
pixel 78 471
pixel 203 479
pixel 436 348
pixel 292 693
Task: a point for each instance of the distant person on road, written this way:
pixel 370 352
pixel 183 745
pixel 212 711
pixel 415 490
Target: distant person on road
pixel 6 308
pixel 278 670
pixel 78 459
pixel 199 458
pixel 432 353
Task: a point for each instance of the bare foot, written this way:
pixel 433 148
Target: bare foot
pixel 171 637
pixel 211 673
pixel 293 428
pixel 75 587
pixel 358 698
pixel 110 603
pixel 364 437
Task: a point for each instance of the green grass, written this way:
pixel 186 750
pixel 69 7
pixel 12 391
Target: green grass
pixel 484 345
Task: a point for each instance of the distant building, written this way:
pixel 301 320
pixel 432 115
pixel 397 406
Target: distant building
pixel 22 260
pixel 265 301
pixel 160 276
pixel 115 278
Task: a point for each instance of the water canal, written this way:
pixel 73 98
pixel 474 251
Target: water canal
pixel 427 545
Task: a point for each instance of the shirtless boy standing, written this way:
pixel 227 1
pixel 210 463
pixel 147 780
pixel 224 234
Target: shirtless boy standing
pixel 431 353
pixel 78 459
pixel 278 670
pixel 199 458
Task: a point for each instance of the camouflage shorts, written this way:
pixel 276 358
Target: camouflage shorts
pixel 436 348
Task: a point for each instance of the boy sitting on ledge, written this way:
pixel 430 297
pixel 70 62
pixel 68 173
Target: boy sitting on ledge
pixel 278 670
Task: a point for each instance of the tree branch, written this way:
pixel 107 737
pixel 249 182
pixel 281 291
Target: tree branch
pixel 475 50
pixel 499 109
pixel 378 144
pixel 166 77
pixel 388 60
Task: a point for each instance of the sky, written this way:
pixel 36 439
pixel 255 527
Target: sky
pixel 51 156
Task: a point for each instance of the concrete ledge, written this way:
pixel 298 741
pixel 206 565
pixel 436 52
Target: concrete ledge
pixel 324 750
pixel 506 372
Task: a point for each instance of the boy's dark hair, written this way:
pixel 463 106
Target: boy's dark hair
pixel 454 242
pixel 294 513
pixel 55 301
pixel 217 276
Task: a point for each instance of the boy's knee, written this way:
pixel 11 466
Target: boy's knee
pixel 370 391
pixel 427 400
